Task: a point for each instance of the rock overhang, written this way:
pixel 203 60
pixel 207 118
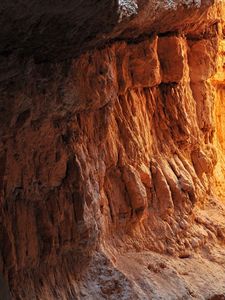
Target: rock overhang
pixel 55 31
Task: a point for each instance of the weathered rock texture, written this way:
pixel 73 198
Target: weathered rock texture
pixel 115 153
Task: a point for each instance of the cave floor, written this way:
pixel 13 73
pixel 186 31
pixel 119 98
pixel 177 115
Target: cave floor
pixel 148 275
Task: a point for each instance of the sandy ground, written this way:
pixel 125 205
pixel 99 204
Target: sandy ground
pixel 148 275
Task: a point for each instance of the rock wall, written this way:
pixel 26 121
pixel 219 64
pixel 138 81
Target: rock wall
pixel 118 150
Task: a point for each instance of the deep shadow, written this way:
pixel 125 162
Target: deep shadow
pixel 4 289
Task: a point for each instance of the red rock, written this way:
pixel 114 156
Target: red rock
pixel 112 148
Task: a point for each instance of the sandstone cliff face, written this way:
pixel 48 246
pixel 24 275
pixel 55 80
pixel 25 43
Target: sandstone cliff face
pixel 116 153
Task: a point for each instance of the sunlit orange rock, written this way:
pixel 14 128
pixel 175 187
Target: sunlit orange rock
pixel 112 150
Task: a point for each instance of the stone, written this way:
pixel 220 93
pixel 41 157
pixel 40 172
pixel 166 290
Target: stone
pixel 112 149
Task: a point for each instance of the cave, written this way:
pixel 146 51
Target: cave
pixel 112 149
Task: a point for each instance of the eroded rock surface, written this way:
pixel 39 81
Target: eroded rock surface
pixel 113 160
